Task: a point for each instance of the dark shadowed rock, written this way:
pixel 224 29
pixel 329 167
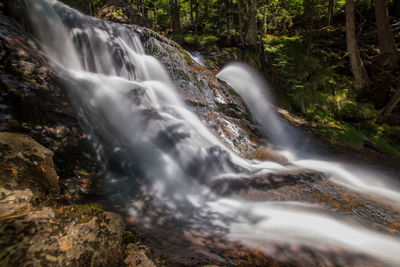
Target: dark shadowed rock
pixel 25 162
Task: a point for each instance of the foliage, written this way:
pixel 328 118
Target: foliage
pixel 300 53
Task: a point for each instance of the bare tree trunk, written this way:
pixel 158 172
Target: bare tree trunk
pixel 361 79
pixel 308 14
pixel 196 11
pixel 396 8
pixel 330 11
pixel 387 45
pixel 251 31
pixel 240 20
pixel 174 16
pixel 191 12
pixel 387 110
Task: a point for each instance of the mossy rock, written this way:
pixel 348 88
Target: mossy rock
pixel 81 213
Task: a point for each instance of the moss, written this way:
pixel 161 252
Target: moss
pixel 130 237
pixel 186 77
pixel 80 212
pixel 233 92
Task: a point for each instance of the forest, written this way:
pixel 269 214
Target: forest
pixel 334 63
pixel 199 133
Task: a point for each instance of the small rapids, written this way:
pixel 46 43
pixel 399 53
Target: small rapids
pixel 198 57
pixel 165 168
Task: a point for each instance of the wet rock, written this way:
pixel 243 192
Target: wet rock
pixel 247 186
pixel 216 103
pixel 25 162
pixel 34 101
pixel 135 255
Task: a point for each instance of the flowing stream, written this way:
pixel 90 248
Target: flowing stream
pixel 163 164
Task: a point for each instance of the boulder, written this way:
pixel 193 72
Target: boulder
pixel 25 162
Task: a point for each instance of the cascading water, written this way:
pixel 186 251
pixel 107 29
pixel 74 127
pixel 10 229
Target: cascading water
pixel 163 165
pixel 248 85
pixel 251 88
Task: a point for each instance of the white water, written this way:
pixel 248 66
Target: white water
pixel 198 57
pixel 250 86
pixel 166 158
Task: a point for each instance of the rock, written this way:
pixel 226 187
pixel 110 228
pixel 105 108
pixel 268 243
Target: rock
pixel 23 161
pixel 96 242
pixel 35 101
pixel 215 102
pixel 135 255
pixel 41 238
pixel 13 202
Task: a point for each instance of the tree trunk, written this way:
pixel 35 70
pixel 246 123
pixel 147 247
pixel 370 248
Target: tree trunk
pixel 240 20
pixel 396 8
pixel 361 79
pixel 387 45
pixel 387 110
pixel 191 12
pixel 251 31
pixel 196 11
pixel 174 16
pixel 308 15
pixel 330 11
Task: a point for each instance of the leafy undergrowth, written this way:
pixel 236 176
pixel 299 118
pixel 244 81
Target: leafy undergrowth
pixel 195 41
pixel 318 86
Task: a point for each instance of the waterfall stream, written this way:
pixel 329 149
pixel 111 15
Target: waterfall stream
pixel 165 167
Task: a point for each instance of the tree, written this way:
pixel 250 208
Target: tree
pixel 240 22
pixel 387 46
pixel 309 17
pixel 361 79
pixel 396 8
pixel 174 16
pixel 387 110
pixel 330 11
pixel 251 31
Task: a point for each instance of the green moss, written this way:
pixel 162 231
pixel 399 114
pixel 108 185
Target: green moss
pixel 186 77
pixel 80 212
pixel 130 237
pixel 233 92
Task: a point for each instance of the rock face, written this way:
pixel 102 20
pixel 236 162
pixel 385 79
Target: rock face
pixel 34 101
pixel 217 104
pixel 27 163
pixel 37 234
pixel 40 222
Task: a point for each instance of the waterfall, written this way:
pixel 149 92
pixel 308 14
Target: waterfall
pixel 162 163
pixel 251 87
